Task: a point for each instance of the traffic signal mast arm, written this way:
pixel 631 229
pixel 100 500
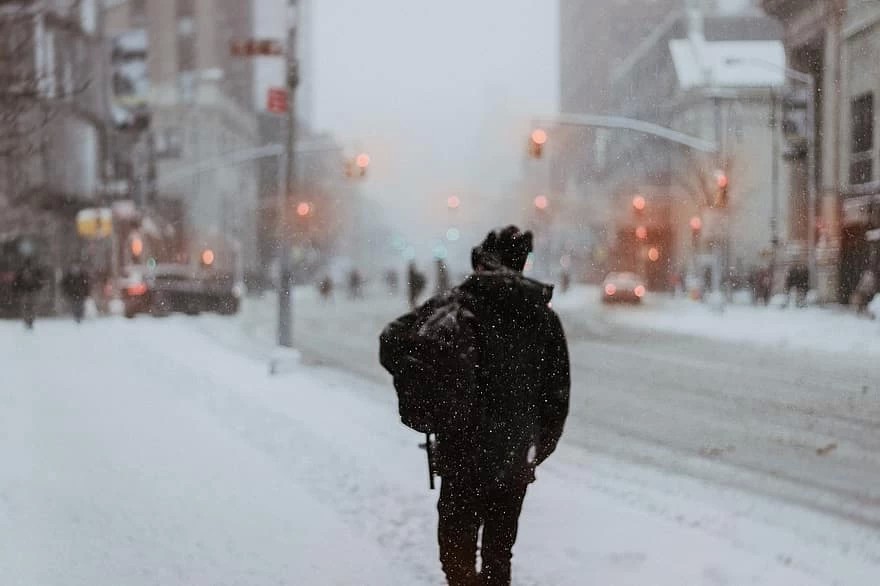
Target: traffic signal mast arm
pixel 595 121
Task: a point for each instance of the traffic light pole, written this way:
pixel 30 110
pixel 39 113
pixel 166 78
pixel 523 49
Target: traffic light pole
pixel 287 184
pixel 810 80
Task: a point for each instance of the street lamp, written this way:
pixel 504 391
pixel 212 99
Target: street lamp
pixel 809 80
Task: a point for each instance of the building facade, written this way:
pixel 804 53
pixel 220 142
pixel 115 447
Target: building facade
pixel 53 136
pixel 615 58
pixel 857 148
pixel 199 99
pixel 813 46
pixel 690 74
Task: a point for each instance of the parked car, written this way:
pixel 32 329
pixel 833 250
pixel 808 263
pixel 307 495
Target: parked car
pixel 172 288
pixel 623 288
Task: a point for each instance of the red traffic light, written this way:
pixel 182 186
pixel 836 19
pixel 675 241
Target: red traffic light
pixel 362 161
pixel 452 202
pixel 696 224
pixel 541 202
pixel 639 203
pixel 137 246
pixel 303 209
pixel 207 257
pixel 723 183
pixel 536 143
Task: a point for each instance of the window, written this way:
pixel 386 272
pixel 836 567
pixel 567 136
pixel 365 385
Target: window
pixel 861 165
pixel 185 8
pixel 186 53
pixel 138 12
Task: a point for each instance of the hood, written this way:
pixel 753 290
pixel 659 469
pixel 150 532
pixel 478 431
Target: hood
pixel 505 288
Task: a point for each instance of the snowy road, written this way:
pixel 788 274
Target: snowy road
pixel 793 424
pixel 160 452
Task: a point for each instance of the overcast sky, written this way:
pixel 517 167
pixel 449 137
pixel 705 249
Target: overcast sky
pixel 439 93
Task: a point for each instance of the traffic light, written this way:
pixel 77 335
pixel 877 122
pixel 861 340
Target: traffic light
pixel 357 167
pixel 207 257
pixel 641 233
pixel 137 248
pixel 639 203
pixel 653 254
pixel 541 202
pixel 303 209
pixel 362 162
pixel 696 225
pixel 537 140
pixel 453 202
pixel 722 183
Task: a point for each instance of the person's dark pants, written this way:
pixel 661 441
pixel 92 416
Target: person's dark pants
pixel 464 509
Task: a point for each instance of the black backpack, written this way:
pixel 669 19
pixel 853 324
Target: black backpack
pixel 432 353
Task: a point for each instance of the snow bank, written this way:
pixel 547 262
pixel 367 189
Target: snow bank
pixel 811 328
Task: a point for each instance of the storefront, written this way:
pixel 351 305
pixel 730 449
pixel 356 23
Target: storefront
pixel 860 238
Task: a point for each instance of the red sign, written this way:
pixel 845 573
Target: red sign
pixel 256 47
pixel 276 102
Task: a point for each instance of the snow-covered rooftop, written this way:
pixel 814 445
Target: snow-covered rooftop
pixel 700 63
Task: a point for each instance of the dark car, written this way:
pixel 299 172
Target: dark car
pixel 170 289
pixel 623 288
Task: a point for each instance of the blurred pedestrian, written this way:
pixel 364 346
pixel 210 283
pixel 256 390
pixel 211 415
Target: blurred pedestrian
pixel 491 357
pixel 864 291
pixel 325 288
pixel 416 282
pixel 391 281
pixel 75 286
pixel 355 284
pixel 442 277
pixel 565 281
pixel 797 284
pixel 28 280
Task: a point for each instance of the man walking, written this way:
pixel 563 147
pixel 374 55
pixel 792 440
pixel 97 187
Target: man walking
pixel 75 286
pixel 501 415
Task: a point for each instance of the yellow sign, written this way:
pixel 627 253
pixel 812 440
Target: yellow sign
pixel 94 223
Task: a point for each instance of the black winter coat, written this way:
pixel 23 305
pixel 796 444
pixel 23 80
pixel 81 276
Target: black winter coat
pixel 75 285
pixel 513 415
pixel 28 279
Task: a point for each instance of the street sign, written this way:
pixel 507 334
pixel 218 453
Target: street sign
pixel 116 188
pixel 256 48
pixel 276 100
pixel 94 223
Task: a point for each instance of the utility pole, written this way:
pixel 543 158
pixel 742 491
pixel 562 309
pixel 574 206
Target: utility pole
pixel 716 247
pixel 812 265
pixel 285 240
pixel 774 214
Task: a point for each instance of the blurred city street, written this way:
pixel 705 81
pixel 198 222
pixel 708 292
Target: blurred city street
pixel 333 292
pixel 167 453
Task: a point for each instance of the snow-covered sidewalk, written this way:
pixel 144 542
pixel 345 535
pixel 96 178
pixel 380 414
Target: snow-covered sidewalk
pixel 811 328
pixel 149 452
